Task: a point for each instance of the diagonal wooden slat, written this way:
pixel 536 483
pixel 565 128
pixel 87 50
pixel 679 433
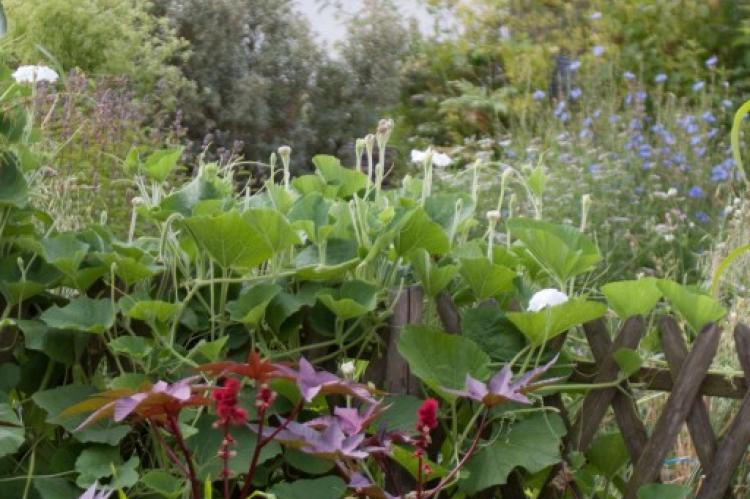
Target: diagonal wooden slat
pixel 698 420
pixel 596 402
pixel 679 403
pixel 626 412
pixel 734 443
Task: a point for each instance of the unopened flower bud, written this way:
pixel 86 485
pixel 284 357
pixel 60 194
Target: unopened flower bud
pixel 348 368
pixel 285 152
pixel 385 128
pixel 493 216
pixel 137 201
pixel 359 148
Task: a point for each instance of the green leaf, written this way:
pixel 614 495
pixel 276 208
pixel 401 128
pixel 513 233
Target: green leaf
pixel 408 461
pixel 305 184
pixel 81 314
pixel 450 210
pixel 61 346
pixel 485 278
pixel 132 346
pixel 208 351
pixel 160 164
pixel 440 359
pixel 354 298
pixel 561 249
pixel 307 463
pixel 202 188
pixel 608 454
pixel 250 307
pixel 100 461
pixel 628 298
pixel 12 434
pixel 163 483
pixel 488 326
pixel 39 277
pixel 230 240
pixel 206 443
pixel 272 228
pixel 56 400
pixel 13 187
pixel 433 278
pixel 65 251
pixel 532 444
pixel 664 491
pixel 148 310
pixel 541 326
pixel 628 360
pixel 329 487
pixel 348 181
pixel 56 488
pixel 696 308
pixel 419 231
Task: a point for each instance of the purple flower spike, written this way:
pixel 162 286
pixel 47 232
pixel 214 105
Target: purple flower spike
pixel 502 388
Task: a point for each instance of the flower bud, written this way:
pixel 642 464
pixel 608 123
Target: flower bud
pixel 285 153
pixel 385 128
pixel 493 216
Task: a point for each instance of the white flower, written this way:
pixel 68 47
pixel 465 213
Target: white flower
pixel 347 369
pixel 549 297
pixel 493 215
pixel 441 159
pixel 418 156
pixel 33 74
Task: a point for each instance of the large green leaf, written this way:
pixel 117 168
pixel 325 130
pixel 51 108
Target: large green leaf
pixel 206 442
pixel 561 249
pixel 250 307
pixel 62 346
pixel 532 444
pixel 56 400
pixel 160 164
pixel 81 314
pixel 202 188
pixel 98 462
pixel 485 278
pixel 442 360
pixel 148 310
pixel 11 430
pixel 348 181
pixel 696 308
pixel 17 287
pixel 353 299
pixel 165 484
pixel 664 491
pixel 13 187
pixel 65 251
pixel 608 454
pixel 628 298
pixel 541 326
pixel 450 210
pixel 488 326
pixel 433 277
pixel 328 487
pixel 419 231
pixel 241 240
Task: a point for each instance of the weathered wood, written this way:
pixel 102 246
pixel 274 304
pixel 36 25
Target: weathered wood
pixel 407 310
pixel 679 403
pixel 596 402
pixel 698 420
pixel 448 312
pixel 734 443
pixel 660 380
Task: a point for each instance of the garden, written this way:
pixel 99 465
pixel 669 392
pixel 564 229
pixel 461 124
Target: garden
pixel 502 257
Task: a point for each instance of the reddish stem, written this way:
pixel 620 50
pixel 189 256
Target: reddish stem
pixel 225 459
pixel 419 473
pixel 472 448
pixel 170 453
pixel 174 428
pixel 262 442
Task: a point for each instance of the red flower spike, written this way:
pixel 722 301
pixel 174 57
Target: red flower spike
pixel 226 403
pixel 427 415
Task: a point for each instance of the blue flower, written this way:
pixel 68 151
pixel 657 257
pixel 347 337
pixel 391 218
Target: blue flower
pixel 596 15
pixel 711 61
pixel 595 168
pixel 726 103
pixel 539 94
pixel 574 66
pixel 702 217
pixel 698 86
pixel 719 174
pixel 584 134
pixel 598 50
pixel 660 78
pixel 638 190
pixel 695 192
pixel 614 118
pixel 628 75
pixel 644 151
pixel 709 117
pixel 695 140
pixel 699 151
pixel 575 93
pixel 564 117
pixel 647 165
pixel 640 95
pixel 587 121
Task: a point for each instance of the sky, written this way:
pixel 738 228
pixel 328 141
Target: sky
pixel 331 29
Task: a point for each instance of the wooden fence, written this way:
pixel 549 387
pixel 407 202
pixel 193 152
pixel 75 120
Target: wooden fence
pixel 686 379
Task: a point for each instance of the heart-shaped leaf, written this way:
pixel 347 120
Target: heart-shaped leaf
pixel 696 308
pixel 250 307
pixel 485 278
pixel 539 327
pixel 81 314
pixel 628 298
pixel 353 299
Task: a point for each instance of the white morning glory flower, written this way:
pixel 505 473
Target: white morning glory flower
pixel 33 74
pixel 549 297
